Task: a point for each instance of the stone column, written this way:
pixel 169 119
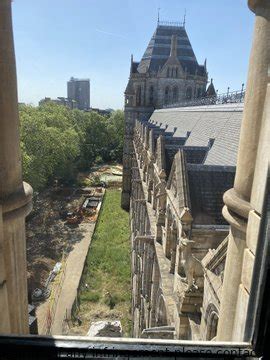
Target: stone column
pixel 15 196
pixel 4 308
pixel 237 200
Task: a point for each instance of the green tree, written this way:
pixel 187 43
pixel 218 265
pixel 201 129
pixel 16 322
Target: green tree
pixel 57 141
pixel 116 129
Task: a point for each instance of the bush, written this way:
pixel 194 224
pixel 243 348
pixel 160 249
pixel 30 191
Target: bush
pixel 111 300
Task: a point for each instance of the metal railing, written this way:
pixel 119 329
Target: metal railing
pixel 227 98
pixel 171 23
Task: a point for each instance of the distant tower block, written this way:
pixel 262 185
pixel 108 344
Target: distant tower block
pixel 79 90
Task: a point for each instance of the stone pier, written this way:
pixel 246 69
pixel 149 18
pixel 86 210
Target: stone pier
pixel 15 196
pixel 239 210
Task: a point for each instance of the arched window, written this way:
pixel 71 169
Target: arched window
pixel 168 72
pixel 175 94
pixel 176 72
pixel 151 95
pixel 189 93
pixel 167 95
pixel 211 317
pixel 138 95
pixel 161 312
pixel 212 323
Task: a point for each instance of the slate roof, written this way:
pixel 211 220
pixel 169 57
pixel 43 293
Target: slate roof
pixel 158 51
pixel 215 126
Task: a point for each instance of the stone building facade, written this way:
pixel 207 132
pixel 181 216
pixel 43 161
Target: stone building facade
pixel 177 165
pixel 193 257
pixel 191 279
pixel 184 160
pixel 167 73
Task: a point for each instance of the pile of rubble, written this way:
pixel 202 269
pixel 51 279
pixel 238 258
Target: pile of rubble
pixel 105 329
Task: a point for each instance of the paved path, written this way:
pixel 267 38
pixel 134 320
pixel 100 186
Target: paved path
pixel 74 269
pixel 73 273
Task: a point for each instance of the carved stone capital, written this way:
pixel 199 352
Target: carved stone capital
pixel 236 210
pixel 236 204
pixel 18 203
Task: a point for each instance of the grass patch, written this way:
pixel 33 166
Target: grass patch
pixel 107 269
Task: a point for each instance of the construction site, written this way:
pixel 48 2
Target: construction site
pixel 59 233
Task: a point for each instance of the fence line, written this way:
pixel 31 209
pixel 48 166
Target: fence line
pixel 227 98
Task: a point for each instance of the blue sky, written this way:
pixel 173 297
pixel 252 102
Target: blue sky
pixel 57 39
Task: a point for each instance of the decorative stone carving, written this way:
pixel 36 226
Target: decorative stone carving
pixel 161 195
pixel 188 262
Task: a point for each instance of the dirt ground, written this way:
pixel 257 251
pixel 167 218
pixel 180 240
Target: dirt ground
pixel 111 175
pixel 47 234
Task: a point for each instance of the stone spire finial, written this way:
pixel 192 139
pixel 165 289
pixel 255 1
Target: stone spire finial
pixel 173 46
pixel 131 63
pixel 211 89
pixel 185 16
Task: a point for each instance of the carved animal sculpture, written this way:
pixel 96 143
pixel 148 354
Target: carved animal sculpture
pixel 189 264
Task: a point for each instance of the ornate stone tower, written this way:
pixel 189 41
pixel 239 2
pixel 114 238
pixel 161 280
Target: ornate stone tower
pixel 167 73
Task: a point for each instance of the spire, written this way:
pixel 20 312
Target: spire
pixel 158 16
pixel 211 89
pixel 173 46
pixel 131 64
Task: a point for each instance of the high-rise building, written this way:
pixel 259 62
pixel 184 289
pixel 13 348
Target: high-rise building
pixel 79 90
